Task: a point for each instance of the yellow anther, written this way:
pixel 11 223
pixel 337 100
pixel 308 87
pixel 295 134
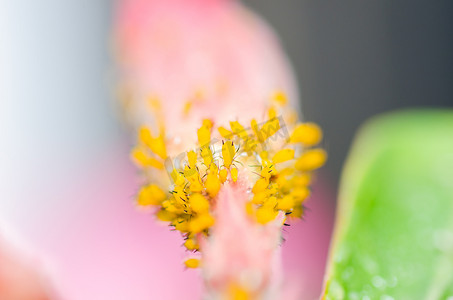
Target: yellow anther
pixel 260 197
pixel 196 187
pixel 297 212
pixel 283 155
pixel 143 160
pixel 300 194
pixel 280 98
pixel 207 123
pixel 256 130
pixel 265 214
pixel 286 172
pixel 177 178
pixel 157 145
pixel 212 183
pixel 201 223
pixel 234 174
pixel 311 160
pixel 225 133
pixel 191 244
pixel 301 180
pixel 223 174
pixel 192 158
pixel 228 153
pixel 268 170
pixel 145 136
pixel 239 293
pixel 284 185
pixel 172 207
pixel 270 128
pixel 191 174
pixel 179 195
pixel 192 263
pixel 206 155
pixel 165 215
pixel 204 136
pixel 264 155
pixel 150 195
pixel 249 142
pixel 237 128
pixel 308 134
pixel 182 225
pixel 271 202
pixel 286 203
pixel 260 185
pixel 198 203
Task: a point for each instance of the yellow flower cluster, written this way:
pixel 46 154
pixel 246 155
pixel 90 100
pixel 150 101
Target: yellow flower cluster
pixel 279 171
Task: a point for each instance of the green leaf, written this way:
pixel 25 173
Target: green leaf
pixel 394 230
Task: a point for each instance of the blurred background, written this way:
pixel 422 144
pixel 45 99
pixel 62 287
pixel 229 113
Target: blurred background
pixel 355 59
pixel 66 184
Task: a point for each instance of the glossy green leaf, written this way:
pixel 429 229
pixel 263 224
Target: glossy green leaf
pixel 394 230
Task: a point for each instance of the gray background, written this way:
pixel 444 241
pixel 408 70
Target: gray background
pixel 355 59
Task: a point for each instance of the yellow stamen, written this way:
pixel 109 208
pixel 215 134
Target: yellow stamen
pixel 165 215
pixel 201 222
pixel 228 153
pixel 225 133
pixel 192 157
pixel 157 146
pixel 265 214
pixel 283 155
pixel 143 160
pixel 212 183
pixel 234 174
pixel 192 263
pixel 199 203
pixel 270 128
pixel 223 174
pixel 286 203
pixel 190 244
pixel 208 124
pixel 204 136
pixel 311 160
pixel 177 178
pixel 150 195
pixel 179 195
pixel 308 134
pixel 206 154
pixel 260 185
